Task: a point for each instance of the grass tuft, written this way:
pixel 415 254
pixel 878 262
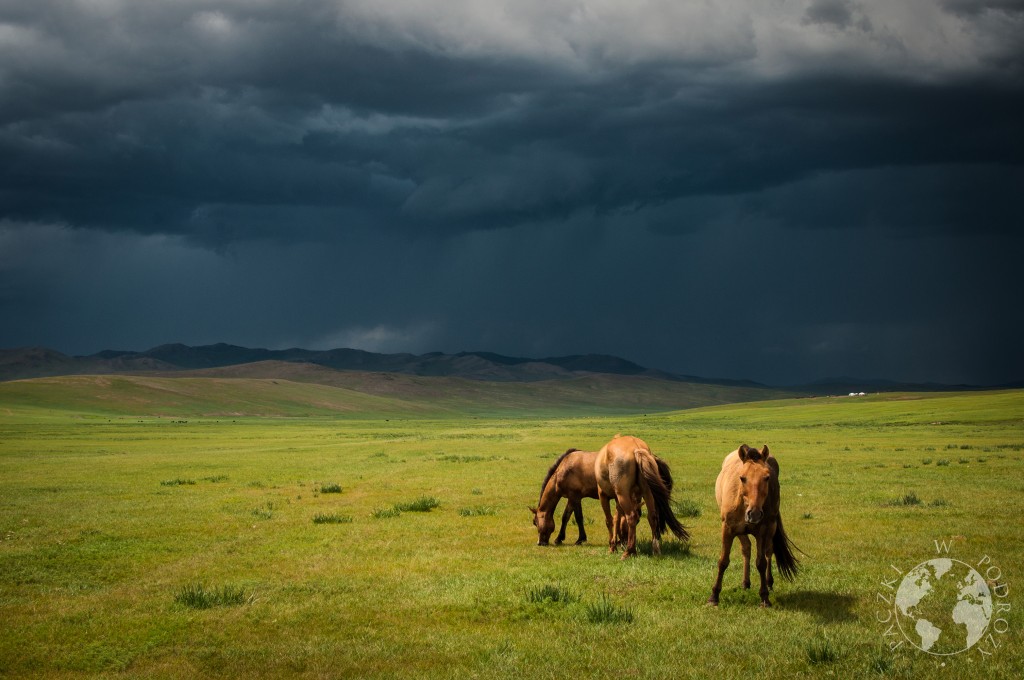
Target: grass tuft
pixel 907 499
pixel 384 513
pixel 942 461
pixel 551 593
pixel 421 504
pixel 821 652
pixel 926 461
pixel 177 482
pixel 330 488
pixel 605 611
pixel 265 511
pixel 478 511
pixel 684 507
pixel 325 518
pixel 198 596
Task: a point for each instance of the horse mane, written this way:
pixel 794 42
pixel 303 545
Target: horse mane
pixel 551 471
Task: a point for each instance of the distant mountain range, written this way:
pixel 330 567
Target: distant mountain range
pixel 171 359
pixel 35 362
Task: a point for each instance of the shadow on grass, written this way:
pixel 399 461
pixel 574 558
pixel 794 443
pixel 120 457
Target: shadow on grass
pixel 670 549
pixel 828 607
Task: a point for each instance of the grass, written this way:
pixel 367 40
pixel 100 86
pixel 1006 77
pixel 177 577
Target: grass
pixel 198 596
pixel 330 488
pixel 331 518
pixel 605 611
pixel 177 482
pixel 94 551
pixel 686 508
pixel 421 504
pixel 907 499
pixel 477 511
pixel 551 593
pixel 821 652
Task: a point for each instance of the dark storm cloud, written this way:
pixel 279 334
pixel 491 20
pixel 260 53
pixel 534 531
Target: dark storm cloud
pixel 218 120
pixel 417 175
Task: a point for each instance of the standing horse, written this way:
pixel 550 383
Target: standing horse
pixel 747 491
pixel 627 471
pixel 570 477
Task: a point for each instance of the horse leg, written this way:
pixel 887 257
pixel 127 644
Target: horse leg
pixel 652 519
pixel 769 553
pixel 745 544
pixel 723 564
pixel 762 566
pixel 631 516
pixel 606 506
pixel 578 512
pixel 566 514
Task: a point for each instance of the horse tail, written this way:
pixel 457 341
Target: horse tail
pixel 783 549
pixel 650 467
pixel 665 472
pixel 551 471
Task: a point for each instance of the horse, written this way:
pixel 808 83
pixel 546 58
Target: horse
pixel 571 476
pixel 627 471
pixel 748 494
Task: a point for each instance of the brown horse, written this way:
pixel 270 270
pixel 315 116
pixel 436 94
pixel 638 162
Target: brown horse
pixel 627 471
pixel 748 494
pixel 570 477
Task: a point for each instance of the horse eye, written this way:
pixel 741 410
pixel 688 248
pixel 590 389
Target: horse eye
pixel 743 479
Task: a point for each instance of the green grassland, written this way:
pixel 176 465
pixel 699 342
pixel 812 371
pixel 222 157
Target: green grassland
pixel 184 536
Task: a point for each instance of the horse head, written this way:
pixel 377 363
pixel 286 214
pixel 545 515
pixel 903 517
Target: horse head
pixel 754 477
pixel 545 524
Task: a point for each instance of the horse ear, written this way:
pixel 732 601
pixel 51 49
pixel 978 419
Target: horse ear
pixel 764 452
pixel 532 509
pixel 743 451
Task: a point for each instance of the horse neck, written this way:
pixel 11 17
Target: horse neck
pixel 548 496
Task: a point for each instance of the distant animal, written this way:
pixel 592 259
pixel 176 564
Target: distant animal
pixel 571 477
pixel 628 472
pixel 748 495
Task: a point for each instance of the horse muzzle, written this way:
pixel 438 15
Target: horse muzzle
pixel 754 516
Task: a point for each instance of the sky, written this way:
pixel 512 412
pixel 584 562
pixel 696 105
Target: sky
pixel 775 190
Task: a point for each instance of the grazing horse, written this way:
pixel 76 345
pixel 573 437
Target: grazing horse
pixel 627 471
pixel 747 491
pixel 570 477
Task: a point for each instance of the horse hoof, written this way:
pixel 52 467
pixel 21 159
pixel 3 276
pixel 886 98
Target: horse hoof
pixel 746 585
pixel 712 602
pixel 765 604
pixel 581 541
